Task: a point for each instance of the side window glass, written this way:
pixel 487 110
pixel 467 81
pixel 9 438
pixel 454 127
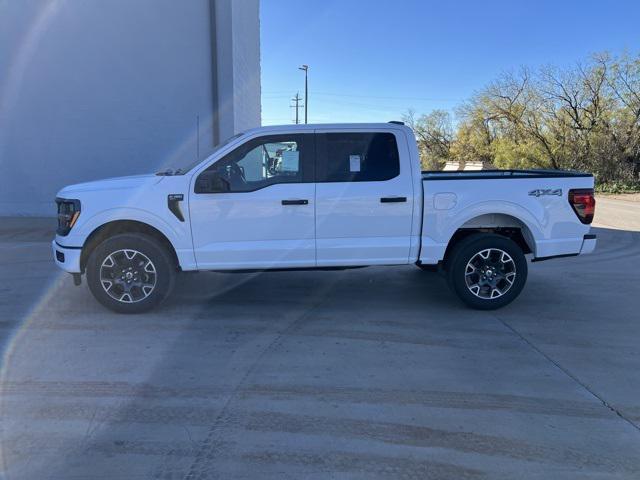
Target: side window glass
pixel 359 157
pixel 255 165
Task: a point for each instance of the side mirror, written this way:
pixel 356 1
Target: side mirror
pixel 211 181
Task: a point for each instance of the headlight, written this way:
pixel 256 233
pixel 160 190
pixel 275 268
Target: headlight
pixel 68 213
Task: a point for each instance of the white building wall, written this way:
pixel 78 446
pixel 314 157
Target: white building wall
pixel 239 26
pixel 246 55
pixel 92 89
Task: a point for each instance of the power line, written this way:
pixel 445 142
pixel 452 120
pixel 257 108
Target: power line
pixel 276 94
pixel 428 99
pixel 367 106
pixel 276 120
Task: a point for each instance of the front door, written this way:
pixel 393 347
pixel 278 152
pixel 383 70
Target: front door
pixel 364 199
pixel 261 214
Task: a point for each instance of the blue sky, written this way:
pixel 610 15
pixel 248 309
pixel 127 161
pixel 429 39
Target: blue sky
pixel 373 60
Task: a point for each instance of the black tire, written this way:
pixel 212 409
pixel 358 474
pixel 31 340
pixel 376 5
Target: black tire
pixel 152 272
pixel 476 280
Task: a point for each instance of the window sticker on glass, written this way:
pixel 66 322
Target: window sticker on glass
pixel 290 161
pixel 354 163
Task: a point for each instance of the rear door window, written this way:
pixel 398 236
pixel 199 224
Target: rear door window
pixel 357 157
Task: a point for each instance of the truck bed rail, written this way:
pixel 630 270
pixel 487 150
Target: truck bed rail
pixel 497 174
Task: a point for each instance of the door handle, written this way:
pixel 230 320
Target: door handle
pixel 393 199
pixel 295 202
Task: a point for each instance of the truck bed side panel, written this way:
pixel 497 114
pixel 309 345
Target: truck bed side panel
pixel 539 205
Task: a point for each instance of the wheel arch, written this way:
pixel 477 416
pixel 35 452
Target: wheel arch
pixel 115 227
pixel 502 224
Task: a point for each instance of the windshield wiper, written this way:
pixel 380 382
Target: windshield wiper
pixel 170 172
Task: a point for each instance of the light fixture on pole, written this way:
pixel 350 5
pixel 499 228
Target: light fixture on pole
pixel 305 68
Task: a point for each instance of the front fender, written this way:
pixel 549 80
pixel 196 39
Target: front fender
pixel 178 235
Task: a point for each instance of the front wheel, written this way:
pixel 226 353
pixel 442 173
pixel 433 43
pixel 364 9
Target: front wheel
pixel 130 273
pixel 487 271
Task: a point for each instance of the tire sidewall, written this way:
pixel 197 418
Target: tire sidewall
pixel 470 247
pixel 164 265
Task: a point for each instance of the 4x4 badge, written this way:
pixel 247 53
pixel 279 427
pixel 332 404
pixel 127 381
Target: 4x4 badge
pixel 539 192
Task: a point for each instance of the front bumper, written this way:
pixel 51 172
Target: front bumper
pixel 67 258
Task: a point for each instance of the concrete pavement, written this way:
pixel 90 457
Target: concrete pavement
pixel 362 374
pixel 618 213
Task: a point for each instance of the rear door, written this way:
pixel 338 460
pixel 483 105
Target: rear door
pixel 364 198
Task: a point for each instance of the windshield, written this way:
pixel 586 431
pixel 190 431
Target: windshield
pixel 181 166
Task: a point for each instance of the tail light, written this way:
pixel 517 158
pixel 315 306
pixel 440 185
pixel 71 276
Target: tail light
pixel 583 203
pixel 68 213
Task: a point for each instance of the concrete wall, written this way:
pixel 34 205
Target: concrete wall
pixel 238 78
pixel 94 89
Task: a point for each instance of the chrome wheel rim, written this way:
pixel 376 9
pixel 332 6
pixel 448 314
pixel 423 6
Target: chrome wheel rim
pixel 128 276
pixel 490 273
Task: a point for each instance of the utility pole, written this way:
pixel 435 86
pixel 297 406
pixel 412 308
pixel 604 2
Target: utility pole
pixel 297 105
pixel 305 68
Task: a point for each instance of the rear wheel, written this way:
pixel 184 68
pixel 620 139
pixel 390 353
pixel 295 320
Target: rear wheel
pixel 130 273
pixel 487 271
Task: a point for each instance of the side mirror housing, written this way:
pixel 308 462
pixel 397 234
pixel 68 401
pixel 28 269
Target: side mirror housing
pixel 211 181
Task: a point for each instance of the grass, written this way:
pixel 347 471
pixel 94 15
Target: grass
pixel 618 187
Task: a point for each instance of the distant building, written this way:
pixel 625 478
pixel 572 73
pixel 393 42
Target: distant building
pixel 93 89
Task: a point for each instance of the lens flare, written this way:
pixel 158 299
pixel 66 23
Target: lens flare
pixel 12 345
pixel 23 56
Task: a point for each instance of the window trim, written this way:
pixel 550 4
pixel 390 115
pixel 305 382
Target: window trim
pixel 322 155
pixel 307 162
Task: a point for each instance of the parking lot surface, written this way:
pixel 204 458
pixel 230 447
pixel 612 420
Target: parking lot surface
pixel 360 374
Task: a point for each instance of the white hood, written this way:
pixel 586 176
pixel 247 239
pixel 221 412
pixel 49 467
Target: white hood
pixel 117 183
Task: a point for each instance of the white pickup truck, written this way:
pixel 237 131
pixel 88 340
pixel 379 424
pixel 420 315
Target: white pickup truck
pixel 319 197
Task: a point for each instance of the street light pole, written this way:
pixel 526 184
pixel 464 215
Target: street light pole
pixel 305 68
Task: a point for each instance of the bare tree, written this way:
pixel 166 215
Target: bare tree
pixel 434 133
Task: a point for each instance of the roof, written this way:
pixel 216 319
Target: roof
pixel 338 126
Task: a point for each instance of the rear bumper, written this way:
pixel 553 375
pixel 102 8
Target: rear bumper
pixel 67 258
pixel 588 244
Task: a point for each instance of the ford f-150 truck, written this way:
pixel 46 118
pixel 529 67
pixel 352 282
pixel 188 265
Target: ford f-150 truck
pixel 319 197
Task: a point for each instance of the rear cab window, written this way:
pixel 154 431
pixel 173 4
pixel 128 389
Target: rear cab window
pixel 357 157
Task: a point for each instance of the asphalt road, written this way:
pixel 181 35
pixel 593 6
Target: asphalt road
pixel 362 374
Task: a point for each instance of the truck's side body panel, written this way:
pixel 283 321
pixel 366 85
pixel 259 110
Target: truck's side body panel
pixel 367 222
pixel 254 230
pixel 538 205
